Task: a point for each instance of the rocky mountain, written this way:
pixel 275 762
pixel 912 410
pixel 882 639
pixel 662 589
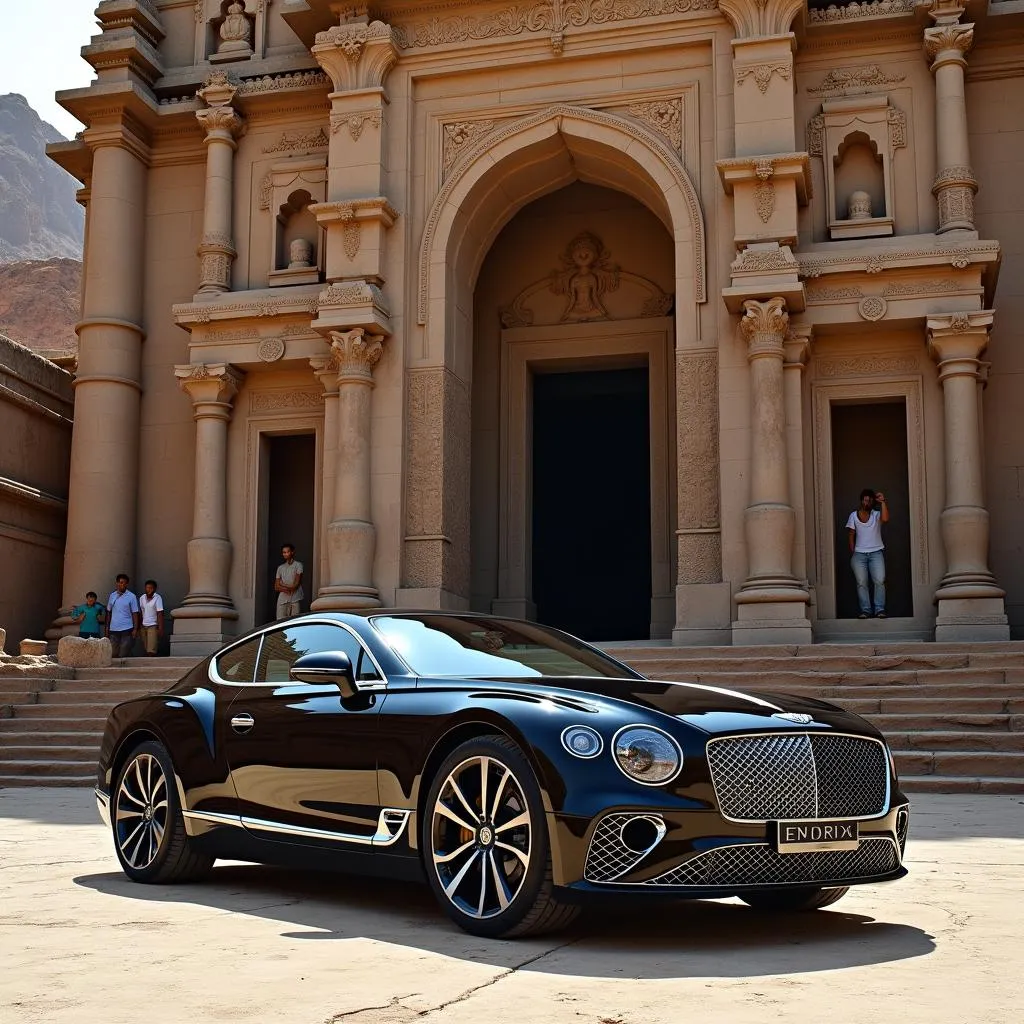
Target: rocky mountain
pixel 39 304
pixel 39 217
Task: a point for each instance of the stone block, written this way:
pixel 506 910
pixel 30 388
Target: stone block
pixel 3 639
pixel 84 652
pixel 34 647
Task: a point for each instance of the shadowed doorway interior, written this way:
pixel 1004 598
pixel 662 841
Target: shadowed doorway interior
pixel 287 503
pixel 592 503
pixel 869 449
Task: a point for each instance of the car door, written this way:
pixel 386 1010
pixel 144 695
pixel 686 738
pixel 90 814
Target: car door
pixel 303 759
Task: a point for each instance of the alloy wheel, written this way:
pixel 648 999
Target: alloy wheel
pixel 140 821
pixel 481 837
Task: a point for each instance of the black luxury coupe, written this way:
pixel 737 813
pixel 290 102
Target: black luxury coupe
pixel 518 769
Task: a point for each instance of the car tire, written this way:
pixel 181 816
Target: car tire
pixel 792 900
pixel 145 817
pixel 487 860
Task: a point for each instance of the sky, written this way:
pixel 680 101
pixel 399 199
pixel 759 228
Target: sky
pixel 40 42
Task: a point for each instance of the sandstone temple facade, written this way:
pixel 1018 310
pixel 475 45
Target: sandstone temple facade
pixel 596 311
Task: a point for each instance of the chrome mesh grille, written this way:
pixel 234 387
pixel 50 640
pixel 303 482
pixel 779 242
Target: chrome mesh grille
pixel 758 864
pixel 798 775
pixel 609 858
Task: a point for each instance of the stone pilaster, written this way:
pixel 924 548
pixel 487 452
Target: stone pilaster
pixel 796 348
pixel 326 370
pixel 946 45
pixel 103 483
pixel 207 616
pixel 223 126
pixel 970 604
pixel 351 534
pixel 772 603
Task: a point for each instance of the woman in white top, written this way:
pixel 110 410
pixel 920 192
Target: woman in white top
pixel 867 552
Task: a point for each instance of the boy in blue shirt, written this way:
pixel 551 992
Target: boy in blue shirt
pixel 89 617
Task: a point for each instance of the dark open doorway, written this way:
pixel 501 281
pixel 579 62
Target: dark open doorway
pixel 869 449
pixel 287 513
pixel 592 503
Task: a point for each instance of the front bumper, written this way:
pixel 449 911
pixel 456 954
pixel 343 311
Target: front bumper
pixel 700 854
pixel 103 805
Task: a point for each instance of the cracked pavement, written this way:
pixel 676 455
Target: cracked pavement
pixel 79 943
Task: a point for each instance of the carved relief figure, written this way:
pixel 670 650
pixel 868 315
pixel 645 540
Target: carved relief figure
pixel 235 31
pixel 300 254
pixel 587 273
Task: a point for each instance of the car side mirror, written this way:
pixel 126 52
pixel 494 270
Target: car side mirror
pixel 326 667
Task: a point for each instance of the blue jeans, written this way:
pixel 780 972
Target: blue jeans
pixel 873 563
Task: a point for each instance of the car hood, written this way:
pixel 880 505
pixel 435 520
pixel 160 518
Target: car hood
pixel 713 709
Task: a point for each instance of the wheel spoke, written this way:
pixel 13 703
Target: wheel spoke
pixel 525 858
pixel 134 799
pixel 519 819
pixel 483 888
pixel 504 896
pixel 485 765
pixel 447 858
pixel 498 794
pixel 159 830
pixel 149 778
pixel 442 808
pixel 143 792
pixel 473 813
pixel 135 831
pixel 133 856
pixel 159 806
pixel 160 782
pixel 457 880
pixel 123 813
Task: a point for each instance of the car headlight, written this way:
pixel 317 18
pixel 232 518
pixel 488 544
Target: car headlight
pixel 647 755
pixel 582 741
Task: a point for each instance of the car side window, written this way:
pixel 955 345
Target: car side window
pixel 239 664
pixel 283 647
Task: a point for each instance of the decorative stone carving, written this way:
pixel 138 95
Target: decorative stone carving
pixel 357 352
pixel 290 142
pixel 764 191
pixel 552 16
pixel 358 53
pixel 285 401
pixel 697 445
pixel 300 254
pixel 290 80
pixel 586 278
pixel 860 206
pixel 954 189
pixel 757 261
pixel 762 73
pixel 764 326
pixel 664 116
pixel 897 127
pixel 865 366
pixel 265 192
pixel 836 294
pixel 754 19
pixel 816 135
pixel 270 350
pixel 458 136
pixel 874 307
pixel 355 123
pixel 959 256
pixel 235 33
pixel 857 79
pixel 223 377
pixel 854 10
pixel 950 42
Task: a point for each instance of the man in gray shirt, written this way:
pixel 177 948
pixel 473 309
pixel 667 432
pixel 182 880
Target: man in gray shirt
pixel 288 584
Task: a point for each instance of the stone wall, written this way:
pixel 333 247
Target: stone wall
pixel 36 403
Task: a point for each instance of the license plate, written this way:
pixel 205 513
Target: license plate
pixel 816 836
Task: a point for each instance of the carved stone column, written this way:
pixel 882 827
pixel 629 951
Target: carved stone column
pixel 326 370
pixel 207 615
pixel 970 604
pixel 796 347
pixel 351 535
pixel 105 440
pixel 223 125
pixel 946 45
pixel 772 603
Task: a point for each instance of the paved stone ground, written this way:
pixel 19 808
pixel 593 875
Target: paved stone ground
pixel 79 943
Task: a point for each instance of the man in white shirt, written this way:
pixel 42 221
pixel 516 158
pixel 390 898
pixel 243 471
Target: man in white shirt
pixel 122 625
pixel 151 607
pixel 288 584
pixel 867 552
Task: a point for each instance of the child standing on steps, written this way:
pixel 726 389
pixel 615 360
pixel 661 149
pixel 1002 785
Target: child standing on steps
pixel 151 604
pixel 89 617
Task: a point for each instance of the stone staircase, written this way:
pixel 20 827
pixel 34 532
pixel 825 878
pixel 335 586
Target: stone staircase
pixel 953 713
pixel 51 724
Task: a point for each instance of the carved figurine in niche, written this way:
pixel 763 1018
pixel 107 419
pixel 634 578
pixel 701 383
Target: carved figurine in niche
pixel 300 254
pixel 860 206
pixel 235 31
pixel 587 273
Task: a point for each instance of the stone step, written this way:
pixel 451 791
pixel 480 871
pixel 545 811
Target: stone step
pixel 940 722
pixel 75 778
pixel 885 705
pixel 115 684
pixel 172 668
pixel 91 709
pixel 16 685
pixel 56 754
pixel 91 724
pixel 38 768
pixel 961 691
pixel 57 698
pixel 959 784
pixel 981 763
pixel 813 652
pixel 12 700
pixel 49 738
pixel 960 741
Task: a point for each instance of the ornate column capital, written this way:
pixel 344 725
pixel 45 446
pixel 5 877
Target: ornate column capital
pixel 221 124
pixel 357 353
pixel 948 44
pixel 358 53
pixel 753 19
pixel 797 345
pixel 211 386
pixel 957 341
pixel 764 326
pixel 326 370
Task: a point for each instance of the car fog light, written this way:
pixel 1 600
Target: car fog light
pixel 647 755
pixel 582 741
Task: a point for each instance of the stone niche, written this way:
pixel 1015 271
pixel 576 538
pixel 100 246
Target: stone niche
pixel 230 30
pixel 856 137
pixel 289 190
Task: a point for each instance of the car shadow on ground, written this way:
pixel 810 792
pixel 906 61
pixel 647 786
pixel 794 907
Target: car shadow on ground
pixel 653 940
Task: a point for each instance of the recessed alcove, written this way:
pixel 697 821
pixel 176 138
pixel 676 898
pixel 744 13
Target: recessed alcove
pixel 858 169
pixel 292 188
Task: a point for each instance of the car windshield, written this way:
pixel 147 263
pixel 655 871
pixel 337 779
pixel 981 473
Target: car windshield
pixel 450 645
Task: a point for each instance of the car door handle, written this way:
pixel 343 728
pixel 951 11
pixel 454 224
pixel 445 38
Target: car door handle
pixel 242 723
